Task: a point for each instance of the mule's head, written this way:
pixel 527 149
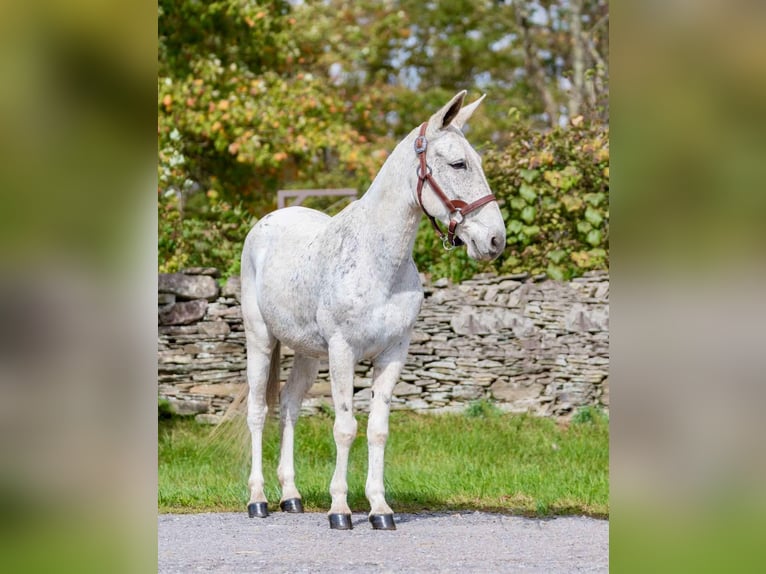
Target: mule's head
pixel 456 168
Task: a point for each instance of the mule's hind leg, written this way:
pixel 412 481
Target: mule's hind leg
pixel 342 362
pixel 260 345
pixel 387 368
pixel 301 378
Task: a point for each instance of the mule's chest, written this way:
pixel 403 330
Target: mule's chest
pixel 387 323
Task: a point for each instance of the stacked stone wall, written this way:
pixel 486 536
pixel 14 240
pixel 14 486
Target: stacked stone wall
pixel 526 343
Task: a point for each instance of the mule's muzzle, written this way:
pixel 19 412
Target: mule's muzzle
pixel 496 245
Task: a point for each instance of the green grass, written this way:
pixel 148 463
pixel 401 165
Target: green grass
pixel 484 460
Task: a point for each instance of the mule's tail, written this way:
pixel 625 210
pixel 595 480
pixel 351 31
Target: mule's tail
pixel 239 404
pixel 272 387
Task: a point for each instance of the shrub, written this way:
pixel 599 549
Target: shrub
pixel 553 189
pixel 210 236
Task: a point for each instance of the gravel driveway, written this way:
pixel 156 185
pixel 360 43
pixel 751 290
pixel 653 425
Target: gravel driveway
pixel 440 542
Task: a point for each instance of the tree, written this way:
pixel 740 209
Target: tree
pixel 257 95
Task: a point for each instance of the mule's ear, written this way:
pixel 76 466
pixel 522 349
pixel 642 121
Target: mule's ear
pixel 443 118
pixel 466 112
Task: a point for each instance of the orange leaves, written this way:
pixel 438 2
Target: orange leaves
pixel 250 22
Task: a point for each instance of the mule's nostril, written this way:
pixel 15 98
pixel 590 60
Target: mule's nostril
pixel 496 242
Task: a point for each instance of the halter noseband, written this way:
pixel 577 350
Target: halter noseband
pixel 458 208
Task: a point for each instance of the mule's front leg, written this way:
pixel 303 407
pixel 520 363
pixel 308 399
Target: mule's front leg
pixel 387 368
pixel 342 362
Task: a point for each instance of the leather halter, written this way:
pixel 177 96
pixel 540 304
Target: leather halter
pixel 458 208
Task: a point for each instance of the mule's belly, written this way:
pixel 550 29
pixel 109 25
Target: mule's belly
pixel 368 330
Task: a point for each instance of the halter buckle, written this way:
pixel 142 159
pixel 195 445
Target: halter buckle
pixel 421 143
pixel 459 213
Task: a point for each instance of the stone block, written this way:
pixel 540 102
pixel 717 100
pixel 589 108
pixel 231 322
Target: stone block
pixel 187 406
pixel 211 271
pixel 165 299
pixel 449 365
pixel 419 337
pixel 467 392
pixel 182 313
pixel 232 288
pixel 214 328
pixel 178 330
pixel 188 286
pixel 362 382
pixel 417 404
pixel 320 389
pixel 173 357
pixel 403 389
pixel 220 348
pixel 220 389
pixel 512 391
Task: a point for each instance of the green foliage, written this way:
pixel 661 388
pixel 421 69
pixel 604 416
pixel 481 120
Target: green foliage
pixel 590 415
pixel 164 410
pixel 553 188
pixel 213 237
pixel 482 408
pixel 432 259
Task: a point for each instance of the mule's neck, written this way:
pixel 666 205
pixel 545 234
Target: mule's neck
pixel 392 212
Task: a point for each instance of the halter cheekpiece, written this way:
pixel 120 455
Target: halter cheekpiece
pixel 458 208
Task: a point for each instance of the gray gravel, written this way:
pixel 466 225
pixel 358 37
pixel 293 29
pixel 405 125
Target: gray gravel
pixel 441 542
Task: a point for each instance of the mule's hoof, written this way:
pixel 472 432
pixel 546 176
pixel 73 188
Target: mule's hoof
pixel 382 521
pixel 291 505
pixel 258 509
pixel 340 521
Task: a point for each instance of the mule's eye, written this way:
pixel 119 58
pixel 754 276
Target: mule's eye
pixel 458 165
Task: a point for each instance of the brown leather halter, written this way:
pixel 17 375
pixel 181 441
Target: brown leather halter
pixel 458 208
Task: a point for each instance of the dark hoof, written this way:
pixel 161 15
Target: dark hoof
pixel 340 521
pixel 382 521
pixel 258 509
pixel 291 505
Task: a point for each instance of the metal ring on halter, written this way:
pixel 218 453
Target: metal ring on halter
pixel 446 244
pixel 428 168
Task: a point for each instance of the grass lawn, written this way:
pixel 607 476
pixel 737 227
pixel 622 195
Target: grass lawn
pixel 482 460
